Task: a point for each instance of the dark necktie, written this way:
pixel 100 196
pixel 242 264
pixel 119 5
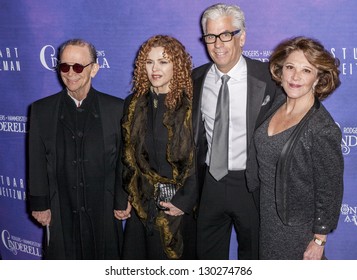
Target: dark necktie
pixel 219 149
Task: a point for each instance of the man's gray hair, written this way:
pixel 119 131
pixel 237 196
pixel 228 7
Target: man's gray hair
pixel 82 43
pixel 222 10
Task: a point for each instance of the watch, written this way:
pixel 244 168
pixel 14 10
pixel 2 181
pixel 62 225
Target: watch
pixel 319 241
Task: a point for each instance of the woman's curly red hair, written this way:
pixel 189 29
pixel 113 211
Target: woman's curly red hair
pixel 181 82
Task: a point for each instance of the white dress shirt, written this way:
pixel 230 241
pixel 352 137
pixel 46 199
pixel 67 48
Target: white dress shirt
pixel 237 85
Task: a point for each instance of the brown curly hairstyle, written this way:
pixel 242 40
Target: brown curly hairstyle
pixel 181 82
pixel 315 53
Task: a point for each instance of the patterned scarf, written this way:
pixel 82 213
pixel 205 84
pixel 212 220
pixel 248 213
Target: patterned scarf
pixel 140 178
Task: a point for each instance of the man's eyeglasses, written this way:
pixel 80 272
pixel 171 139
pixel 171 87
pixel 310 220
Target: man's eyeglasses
pixel 224 37
pixel 78 68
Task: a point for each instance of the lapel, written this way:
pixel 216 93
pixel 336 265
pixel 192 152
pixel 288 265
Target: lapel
pixel 255 96
pixel 197 99
pixel 52 114
pixel 278 102
pixel 109 114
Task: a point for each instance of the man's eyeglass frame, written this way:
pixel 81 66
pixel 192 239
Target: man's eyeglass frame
pixel 219 36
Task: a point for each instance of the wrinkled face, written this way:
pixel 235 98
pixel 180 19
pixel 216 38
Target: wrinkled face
pixel 224 54
pixel 299 77
pixel 78 84
pixel 159 69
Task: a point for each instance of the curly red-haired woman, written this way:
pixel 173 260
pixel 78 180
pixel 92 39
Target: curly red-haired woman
pixel 158 154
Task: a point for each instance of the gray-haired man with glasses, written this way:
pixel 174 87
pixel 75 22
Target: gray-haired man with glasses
pixel 228 98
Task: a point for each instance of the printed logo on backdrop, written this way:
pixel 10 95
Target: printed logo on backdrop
pixel 12 188
pixel 262 55
pixel 350 213
pixel 17 244
pixel 9 59
pixel 13 124
pixel 49 58
pixel 349 139
pixel 348 60
pixel 347 57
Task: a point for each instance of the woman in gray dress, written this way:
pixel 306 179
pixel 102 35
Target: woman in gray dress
pixel 295 158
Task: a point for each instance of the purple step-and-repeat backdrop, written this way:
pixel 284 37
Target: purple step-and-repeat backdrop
pixel 32 30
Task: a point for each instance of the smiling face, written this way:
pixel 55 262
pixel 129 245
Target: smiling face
pixel 298 76
pixel 159 69
pixel 224 54
pixel 78 84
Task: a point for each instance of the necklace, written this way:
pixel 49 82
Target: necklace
pixel 155 101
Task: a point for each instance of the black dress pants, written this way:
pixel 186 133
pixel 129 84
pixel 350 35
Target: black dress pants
pixel 139 244
pixel 224 204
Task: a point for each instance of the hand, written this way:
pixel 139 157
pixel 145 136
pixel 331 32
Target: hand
pixel 313 250
pixel 43 217
pixel 123 214
pixel 172 210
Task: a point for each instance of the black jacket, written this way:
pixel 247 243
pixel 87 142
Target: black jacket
pixel 43 178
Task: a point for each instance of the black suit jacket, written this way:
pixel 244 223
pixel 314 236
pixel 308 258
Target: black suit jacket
pixel 261 92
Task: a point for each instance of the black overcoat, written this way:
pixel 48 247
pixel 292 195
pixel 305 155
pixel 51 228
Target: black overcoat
pixel 44 191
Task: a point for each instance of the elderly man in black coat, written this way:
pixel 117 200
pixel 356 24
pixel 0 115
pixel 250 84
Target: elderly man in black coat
pixel 74 162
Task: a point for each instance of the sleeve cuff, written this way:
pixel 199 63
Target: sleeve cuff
pixel 39 203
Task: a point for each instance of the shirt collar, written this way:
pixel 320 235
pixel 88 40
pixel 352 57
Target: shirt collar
pixel 235 73
pixel 78 102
